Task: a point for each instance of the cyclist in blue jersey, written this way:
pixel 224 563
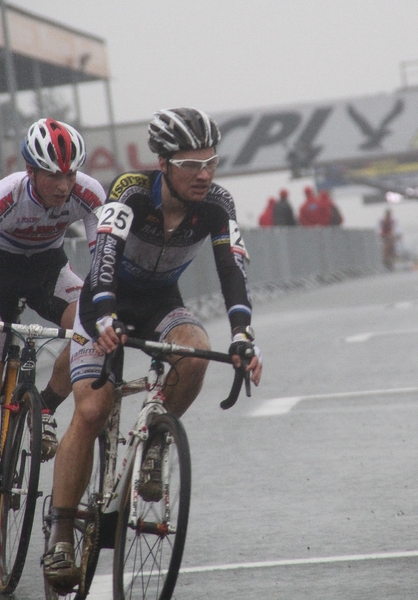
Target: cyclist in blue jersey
pixel 37 206
pixel 151 227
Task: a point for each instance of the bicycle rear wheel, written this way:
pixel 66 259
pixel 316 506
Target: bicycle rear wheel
pixel 148 556
pixel 86 528
pixel 20 469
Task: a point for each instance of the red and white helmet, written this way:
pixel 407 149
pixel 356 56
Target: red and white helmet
pixel 53 146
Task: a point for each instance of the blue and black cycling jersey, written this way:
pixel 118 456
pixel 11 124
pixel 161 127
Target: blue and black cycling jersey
pixel 147 261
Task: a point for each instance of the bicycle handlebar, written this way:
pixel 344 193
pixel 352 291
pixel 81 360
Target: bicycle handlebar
pixel 35 330
pixel 166 349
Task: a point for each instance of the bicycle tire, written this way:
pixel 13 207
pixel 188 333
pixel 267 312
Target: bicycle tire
pixel 19 492
pixel 147 558
pixel 88 513
pixel 12 370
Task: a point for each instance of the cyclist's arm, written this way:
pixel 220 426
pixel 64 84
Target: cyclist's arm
pixel 238 304
pixel 229 251
pixel 112 230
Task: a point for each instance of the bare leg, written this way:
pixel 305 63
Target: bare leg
pixel 60 379
pixel 185 379
pixel 74 457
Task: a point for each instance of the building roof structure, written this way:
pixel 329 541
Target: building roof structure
pixel 46 53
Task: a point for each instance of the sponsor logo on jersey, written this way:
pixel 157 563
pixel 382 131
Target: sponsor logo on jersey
pixel 6 204
pixel 87 196
pixel 83 352
pixel 41 231
pixel 127 180
pixel 27 220
pixel 108 259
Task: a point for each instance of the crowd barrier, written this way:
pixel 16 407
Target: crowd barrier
pixel 280 258
pixel 285 255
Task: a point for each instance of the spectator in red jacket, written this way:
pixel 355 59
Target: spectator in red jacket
pixel 309 211
pixel 331 212
pixel 317 210
pixel 266 217
pixel 325 208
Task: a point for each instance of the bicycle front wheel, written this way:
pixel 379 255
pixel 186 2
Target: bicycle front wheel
pixel 148 552
pixel 20 469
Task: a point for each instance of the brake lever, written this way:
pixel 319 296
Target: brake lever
pixel 235 390
pixel 106 371
pixel 247 378
pixel 240 375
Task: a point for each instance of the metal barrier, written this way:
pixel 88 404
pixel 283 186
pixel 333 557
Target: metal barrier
pixel 286 256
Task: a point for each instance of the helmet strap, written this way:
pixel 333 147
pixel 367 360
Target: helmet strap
pixel 34 186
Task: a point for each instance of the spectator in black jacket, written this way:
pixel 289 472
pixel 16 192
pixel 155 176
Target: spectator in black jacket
pixel 283 211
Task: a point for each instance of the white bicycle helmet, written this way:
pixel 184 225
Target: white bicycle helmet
pixel 53 146
pixel 175 129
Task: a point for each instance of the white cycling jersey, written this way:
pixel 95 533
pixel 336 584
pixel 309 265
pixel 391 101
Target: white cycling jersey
pixel 26 227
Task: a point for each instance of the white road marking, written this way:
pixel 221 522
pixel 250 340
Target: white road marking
pixel 364 337
pixel 281 406
pixel 303 561
pixel 359 337
pixel 102 584
pixel 403 304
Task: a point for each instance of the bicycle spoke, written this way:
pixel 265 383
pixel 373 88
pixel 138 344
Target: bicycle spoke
pixel 150 564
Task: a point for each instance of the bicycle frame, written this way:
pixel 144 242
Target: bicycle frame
pixel 20 368
pixel 153 405
pixel 12 368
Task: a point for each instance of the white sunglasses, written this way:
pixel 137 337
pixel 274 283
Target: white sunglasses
pixel 194 166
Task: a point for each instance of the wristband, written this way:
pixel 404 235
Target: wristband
pixel 246 331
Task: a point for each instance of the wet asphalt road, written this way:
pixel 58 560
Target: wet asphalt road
pixel 309 489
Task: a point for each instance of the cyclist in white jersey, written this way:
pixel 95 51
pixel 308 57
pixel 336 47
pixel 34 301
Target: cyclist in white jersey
pixel 36 208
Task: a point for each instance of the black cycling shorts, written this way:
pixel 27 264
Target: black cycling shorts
pixel 143 310
pixel 36 278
